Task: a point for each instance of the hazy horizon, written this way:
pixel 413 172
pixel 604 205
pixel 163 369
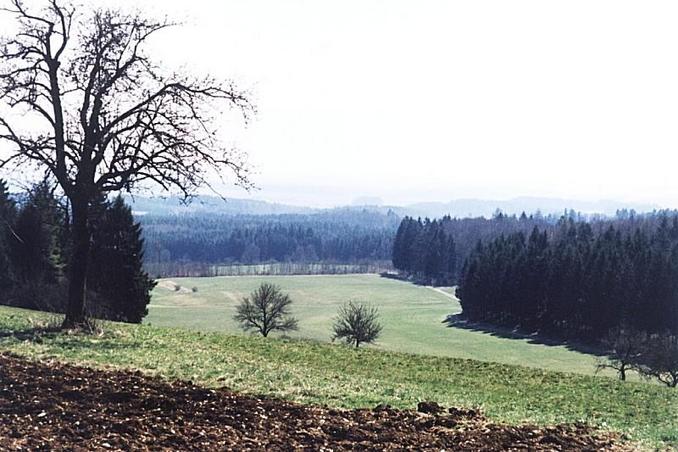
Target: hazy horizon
pixel 434 101
pixel 459 207
pixel 328 197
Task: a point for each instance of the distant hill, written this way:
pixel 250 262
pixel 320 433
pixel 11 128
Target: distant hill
pixel 142 205
pixel 481 207
pixel 457 208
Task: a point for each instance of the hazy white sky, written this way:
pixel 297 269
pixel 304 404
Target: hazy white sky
pixel 435 100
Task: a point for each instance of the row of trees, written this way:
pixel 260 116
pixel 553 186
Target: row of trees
pixel 35 245
pixel 267 309
pixel 197 269
pixel 578 278
pixel 425 250
pixel 433 251
pixel 650 355
pixel 352 237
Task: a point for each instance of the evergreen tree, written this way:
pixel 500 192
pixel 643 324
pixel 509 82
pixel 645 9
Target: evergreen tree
pixel 399 256
pixel 8 214
pixel 116 276
pixel 451 259
pixel 581 282
pixel 434 252
pixel 37 256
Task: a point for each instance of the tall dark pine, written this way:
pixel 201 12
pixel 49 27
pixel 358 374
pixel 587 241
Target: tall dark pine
pixel 36 254
pixel 8 214
pixel 434 251
pixel 400 245
pixel 121 286
pixel 451 258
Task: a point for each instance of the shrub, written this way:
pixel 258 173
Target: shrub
pixel 266 309
pixel 357 323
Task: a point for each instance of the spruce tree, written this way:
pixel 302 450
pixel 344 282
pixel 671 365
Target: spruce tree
pixel 400 245
pixel 35 245
pixel 35 251
pixel 8 214
pixel 451 260
pixel 116 276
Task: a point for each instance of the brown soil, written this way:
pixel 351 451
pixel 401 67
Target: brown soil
pixel 46 405
pixel 171 285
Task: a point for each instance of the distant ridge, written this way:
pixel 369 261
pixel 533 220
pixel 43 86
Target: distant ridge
pixel 456 208
pixel 486 208
pixel 173 205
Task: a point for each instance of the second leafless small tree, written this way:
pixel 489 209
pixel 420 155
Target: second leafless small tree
pixel 626 348
pixel 357 323
pixel 267 309
pixel 103 116
pixel 660 360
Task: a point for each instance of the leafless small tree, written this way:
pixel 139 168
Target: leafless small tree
pixel 660 359
pixel 104 117
pixel 357 323
pixel 626 348
pixel 267 309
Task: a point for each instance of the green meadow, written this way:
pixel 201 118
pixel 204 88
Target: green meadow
pixel 413 316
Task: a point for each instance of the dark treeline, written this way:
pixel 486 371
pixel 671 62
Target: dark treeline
pixel 35 240
pixel 346 236
pixel 434 251
pixel 578 279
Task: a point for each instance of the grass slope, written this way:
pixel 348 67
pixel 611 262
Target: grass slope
pixel 412 316
pixel 339 376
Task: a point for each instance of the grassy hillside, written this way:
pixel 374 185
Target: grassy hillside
pixel 336 375
pixel 413 316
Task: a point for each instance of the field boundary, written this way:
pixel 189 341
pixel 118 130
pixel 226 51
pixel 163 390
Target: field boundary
pixel 193 269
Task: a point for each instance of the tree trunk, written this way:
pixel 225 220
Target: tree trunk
pixel 75 311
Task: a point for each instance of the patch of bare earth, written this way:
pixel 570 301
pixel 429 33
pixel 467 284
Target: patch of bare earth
pixel 171 285
pixel 46 405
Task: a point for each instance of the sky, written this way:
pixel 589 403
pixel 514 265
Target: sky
pixel 412 101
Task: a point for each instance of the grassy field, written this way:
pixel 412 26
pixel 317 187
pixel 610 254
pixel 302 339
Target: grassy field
pixel 413 316
pixel 336 375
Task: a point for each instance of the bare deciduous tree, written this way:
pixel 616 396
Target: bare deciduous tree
pixel 652 356
pixel 626 348
pixel 110 118
pixel 357 323
pixel 660 359
pixel 266 310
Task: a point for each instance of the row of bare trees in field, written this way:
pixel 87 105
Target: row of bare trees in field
pixel 267 309
pixel 650 355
